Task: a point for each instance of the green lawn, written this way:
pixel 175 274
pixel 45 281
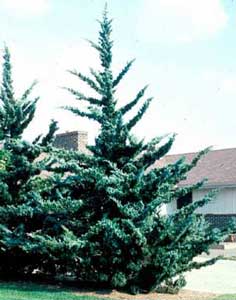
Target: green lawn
pixel 29 291
pixel 226 297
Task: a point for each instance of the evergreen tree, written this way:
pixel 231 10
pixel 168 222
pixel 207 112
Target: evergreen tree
pixel 118 234
pixel 15 114
pixel 35 211
pixel 22 164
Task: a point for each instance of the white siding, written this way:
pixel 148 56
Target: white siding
pixel 171 207
pixel 163 210
pixel 223 203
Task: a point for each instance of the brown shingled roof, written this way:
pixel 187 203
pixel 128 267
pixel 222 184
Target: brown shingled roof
pixel 218 166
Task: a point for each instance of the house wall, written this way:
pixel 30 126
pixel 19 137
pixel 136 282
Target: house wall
pixel 223 204
pixel 171 207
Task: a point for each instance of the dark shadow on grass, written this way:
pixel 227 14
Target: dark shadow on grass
pixel 46 290
pixel 46 283
pixel 51 286
pixel 30 287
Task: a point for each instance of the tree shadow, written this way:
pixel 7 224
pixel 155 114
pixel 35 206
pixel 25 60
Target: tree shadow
pixel 30 287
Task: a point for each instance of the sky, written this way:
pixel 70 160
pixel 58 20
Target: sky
pixel 184 49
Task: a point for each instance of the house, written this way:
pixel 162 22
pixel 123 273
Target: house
pixel 219 167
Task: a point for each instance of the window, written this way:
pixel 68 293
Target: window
pixel 185 200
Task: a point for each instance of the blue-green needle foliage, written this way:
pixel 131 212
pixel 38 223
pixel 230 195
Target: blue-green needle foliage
pixel 21 164
pixel 15 114
pixel 125 242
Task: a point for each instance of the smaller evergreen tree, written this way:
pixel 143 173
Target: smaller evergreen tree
pixel 15 114
pixel 22 163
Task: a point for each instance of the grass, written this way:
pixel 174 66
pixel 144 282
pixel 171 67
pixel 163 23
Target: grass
pixel 226 297
pixel 29 291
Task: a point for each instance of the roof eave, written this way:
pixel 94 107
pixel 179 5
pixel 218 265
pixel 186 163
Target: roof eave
pixel 212 185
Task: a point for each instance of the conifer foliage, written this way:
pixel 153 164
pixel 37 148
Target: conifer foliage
pixel 20 166
pixel 15 114
pixel 125 241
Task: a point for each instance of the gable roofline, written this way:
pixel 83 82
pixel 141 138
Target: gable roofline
pixel 196 152
pixel 218 166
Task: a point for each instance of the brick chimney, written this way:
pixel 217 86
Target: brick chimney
pixel 73 140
